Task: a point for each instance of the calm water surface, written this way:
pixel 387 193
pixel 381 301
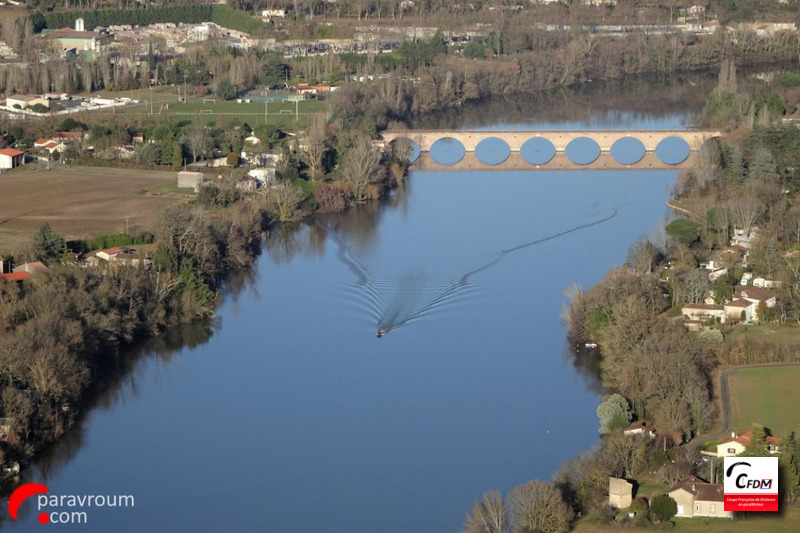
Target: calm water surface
pixel 293 417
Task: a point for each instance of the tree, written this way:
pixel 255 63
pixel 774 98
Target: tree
pixel 758 443
pixel 225 89
pixel 538 507
pixel 488 516
pixel 313 147
pixel 662 508
pixel 282 202
pixel 683 230
pixel 198 140
pixel 614 414
pixel 361 167
pixel 642 256
pixel 151 59
pixel 47 243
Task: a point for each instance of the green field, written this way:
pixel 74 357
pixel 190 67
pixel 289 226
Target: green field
pixel 785 522
pixel 768 396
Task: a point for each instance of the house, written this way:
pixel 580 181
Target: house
pixel 11 158
pixel 33 266
pixel 19 277
pixel 263 175
pixel 620 492
pixel 737 443
pixel 766 283
pixel 640 428
pixel 22 101
pixel 54 146
pixel 121 255
pixel 755 295
pixel 703 312
pixel 695 497
pixel 740 310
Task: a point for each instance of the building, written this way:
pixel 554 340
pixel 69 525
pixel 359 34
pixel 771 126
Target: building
pixel 5 265
pixel 189 180
pixel 11 158
pixel 736 444
pixel 22 101
pixel 703 312
pixel 696 498
pixel 755 295
pixel 77 40
pixel 740 310
pixel 33 266
pixel 620 492
pixel 640 428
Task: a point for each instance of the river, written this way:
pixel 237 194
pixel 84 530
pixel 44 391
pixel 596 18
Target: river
pixel 289 414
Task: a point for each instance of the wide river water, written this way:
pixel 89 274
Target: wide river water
pixel 290 415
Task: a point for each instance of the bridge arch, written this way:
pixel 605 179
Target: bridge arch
pixel 537 151
pixel 492 151
pixel 405 148
pixel 447 151
pixel 627 150
pixel 583 150
pixel 673 150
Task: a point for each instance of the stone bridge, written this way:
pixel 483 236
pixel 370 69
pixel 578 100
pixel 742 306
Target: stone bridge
pixel 515 140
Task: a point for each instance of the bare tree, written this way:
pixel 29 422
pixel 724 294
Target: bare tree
pixel 313 146
pixel 488 516
pixel 361 167
pixel 198 141
pixel 745 212
pixel 539 506
pixel 283 201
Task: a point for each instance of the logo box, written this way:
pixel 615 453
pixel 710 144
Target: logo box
pixel 751 483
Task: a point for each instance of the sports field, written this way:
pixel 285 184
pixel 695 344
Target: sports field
pixel 768 396
pixel 81 201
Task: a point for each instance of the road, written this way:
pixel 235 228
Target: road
pixel 725 396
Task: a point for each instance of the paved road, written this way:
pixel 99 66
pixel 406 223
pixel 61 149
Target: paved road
pixel 725 395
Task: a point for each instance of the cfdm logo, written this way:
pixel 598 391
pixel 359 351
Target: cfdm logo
pixel 751 483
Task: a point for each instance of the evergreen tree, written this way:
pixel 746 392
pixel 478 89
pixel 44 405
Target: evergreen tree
pixel 758 443
pixel 151 59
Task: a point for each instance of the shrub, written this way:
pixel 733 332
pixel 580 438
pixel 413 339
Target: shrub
pixel 662 508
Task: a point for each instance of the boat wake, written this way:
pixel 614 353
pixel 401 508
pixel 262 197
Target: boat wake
pixel 408 302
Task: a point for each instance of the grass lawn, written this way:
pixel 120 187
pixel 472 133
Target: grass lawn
pixel 786 522
pixel 768 396
pixel 772 333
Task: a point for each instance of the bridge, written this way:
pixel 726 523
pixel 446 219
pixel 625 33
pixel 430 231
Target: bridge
pixel 553 145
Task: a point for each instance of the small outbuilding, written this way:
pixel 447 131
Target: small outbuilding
pixel 620 492
pixel 189 180
pixel 11 158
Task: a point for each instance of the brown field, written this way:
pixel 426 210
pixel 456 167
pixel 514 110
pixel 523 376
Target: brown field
pixel 81 201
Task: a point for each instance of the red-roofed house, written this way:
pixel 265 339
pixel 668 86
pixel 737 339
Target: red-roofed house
pixel 19 277
pixel 737 443
pixel 10 158
pixel 39 143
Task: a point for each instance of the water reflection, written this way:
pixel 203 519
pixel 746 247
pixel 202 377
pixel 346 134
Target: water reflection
pixel 117 382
